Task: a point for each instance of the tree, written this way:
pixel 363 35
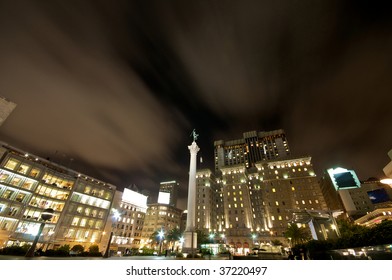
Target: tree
pixel 172 236
pixel 202 238
pixel 78 249
pixel 276 242
pixel 298 235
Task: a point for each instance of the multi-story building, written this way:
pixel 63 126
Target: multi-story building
pixel 30 184
pixel 253 147
pixel 129 210
pixel 285 186
pixel 160 217
pixel 255 190
pixel 168 190
pixel 207 201
pixel 337 186
pixel 6 108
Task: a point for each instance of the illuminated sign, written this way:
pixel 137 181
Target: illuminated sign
pixel 164 197
pixel 343 178
pixel 134 198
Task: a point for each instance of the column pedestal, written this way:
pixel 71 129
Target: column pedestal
pixel 190 247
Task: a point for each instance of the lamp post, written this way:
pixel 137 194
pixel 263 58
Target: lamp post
pixel 182 239
pixel 161 234
pixel 46 215
pixel 115 216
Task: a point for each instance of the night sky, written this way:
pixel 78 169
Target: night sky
pixel 114 88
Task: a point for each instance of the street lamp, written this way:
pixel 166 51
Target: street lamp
pixel 115 217
pixel 161 234
pixel 386 181
pixel 46 215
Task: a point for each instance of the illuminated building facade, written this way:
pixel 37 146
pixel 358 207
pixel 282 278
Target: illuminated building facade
pixel 208 201
pixel 127 225
pixel 253 147
pixel 160 217
pixel 285 185
pixel 255 190
pixel 30 184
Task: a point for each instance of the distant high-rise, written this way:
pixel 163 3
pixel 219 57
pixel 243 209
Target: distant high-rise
pixel 251 148
pixel 6 108
pixel 168 193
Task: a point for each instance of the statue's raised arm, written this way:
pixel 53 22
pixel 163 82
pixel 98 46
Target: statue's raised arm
pixel 195 135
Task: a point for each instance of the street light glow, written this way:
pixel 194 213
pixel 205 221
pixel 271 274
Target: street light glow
pixel 387 181
pixel 161 234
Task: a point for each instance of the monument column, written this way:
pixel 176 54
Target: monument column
pixel 190 236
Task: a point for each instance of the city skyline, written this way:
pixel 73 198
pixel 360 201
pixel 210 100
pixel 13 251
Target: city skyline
pixel 115 90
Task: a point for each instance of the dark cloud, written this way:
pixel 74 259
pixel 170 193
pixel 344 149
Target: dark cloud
pixel 116 88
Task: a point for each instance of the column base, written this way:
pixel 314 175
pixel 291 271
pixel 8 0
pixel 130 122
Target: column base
pixel 189 247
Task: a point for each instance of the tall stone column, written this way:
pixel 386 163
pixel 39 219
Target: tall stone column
pixel 190 236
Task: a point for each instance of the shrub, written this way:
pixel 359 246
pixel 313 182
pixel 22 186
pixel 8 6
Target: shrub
pixel 15 250
pixel 78 249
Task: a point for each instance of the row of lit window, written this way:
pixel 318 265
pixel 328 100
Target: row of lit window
pixel 235 205
pixel 45 203
pixel 87 211
pixel 93 201
pixel 58 181
pixel 82 235
pixel 17 180
pixel 22 168
pixel 14 194
pixel 53 192
pixel 83 222
pixel 34 214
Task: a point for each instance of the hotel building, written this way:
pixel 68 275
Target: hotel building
pixel 251 148
pixel 255 190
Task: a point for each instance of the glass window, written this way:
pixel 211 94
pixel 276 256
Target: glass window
pixel 16 181
pixel 3 177
pixel 12 163
pixel 75 221
pixel 23 168
pixel 83 222
pixel 7 194
pixel 34 172
pixel 28 184
pixel 20 197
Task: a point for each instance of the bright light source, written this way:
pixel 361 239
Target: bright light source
pixel 161 234
pixel 387 181
pixel 116 214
